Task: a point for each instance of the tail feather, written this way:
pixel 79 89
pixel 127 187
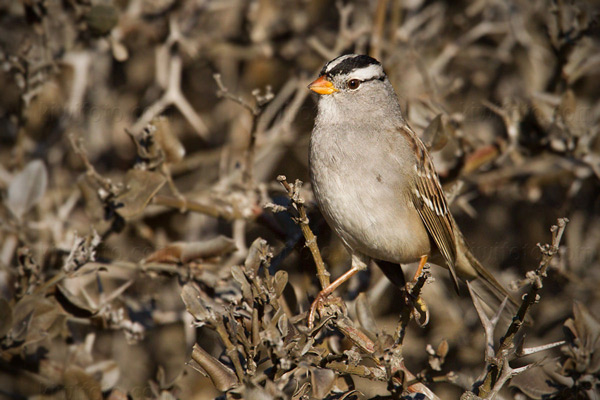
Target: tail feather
pixel 487 287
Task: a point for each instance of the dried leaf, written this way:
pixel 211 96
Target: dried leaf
pixel 435 136
pixel 191 297
pixel 221 376
pixel 536 383
pixel 280 280
pixel 27 188
pixel 81 386
pixel 72 304
pixel 282 325
pixel 256 254
pixel 34 316
pixel 583 334
pixel 301 392
pixel 322 381
pixel 169 143
pixel 240 278
pixel 365 316
pixel 48 321
pixel 442 350
pixel 140 186
pixel 587 325
pixel 482 156
pixel 6 317
pixel 355 335
pixel 187 251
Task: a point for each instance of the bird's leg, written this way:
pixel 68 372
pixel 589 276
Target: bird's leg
pixel 422 263
pixel 416 301
pixel 357 265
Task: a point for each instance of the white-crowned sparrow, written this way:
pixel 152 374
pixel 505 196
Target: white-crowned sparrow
pixel 374 180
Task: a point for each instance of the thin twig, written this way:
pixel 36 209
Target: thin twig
pixel 225 93
pixel 256 112
pixel 226 211
pixel 407 311
pixel 346 36
pixel 377 30
pixel 172 95
pixel 91 171
pixel 302 221
pixel 497 370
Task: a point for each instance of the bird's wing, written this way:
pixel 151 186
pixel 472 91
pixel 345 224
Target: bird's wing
pixel 430 202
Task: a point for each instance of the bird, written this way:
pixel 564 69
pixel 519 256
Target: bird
pixel 375 182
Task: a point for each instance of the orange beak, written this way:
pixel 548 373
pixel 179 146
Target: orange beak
pixel 322 86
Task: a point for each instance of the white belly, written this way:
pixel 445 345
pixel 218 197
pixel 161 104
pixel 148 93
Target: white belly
pixel 364 204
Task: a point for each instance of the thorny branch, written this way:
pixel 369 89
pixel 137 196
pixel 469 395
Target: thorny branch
pixel 346 34
pixel 256 112
pixel 172 94
pixel 499 370
pixel 297 205
pixel 91 171
pixel 413 307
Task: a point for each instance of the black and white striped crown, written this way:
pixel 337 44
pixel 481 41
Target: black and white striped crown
pixel 359 66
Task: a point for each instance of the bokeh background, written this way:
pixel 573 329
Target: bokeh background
pixel 129 127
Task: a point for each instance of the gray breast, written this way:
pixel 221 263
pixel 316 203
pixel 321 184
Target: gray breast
pixel 359 185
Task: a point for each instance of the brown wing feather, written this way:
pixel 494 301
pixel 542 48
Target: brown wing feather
pixel 431 204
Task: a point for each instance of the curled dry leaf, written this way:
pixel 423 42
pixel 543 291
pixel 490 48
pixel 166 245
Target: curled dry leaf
pixel 322 381
pixel 191 297
pixel 240 278
pixel 435 136
pixel 442 350
pixel 257 253
pixel 182 252
pixel 480 157
pixel 72 304
pixel 27 188
pixel 168 142
pixel 538 382
pixel 365 316
pixel 301 392
pixel 280 280
pixel 583 334
pixel 140 187
pixel 35 318
pixel 222 377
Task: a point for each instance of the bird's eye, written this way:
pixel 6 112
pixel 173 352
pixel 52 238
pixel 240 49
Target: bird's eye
pixel 353 84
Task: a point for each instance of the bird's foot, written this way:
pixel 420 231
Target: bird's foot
pixel 325 304
pixel 417 305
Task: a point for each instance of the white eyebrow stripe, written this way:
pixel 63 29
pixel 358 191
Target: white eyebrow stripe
pixel 366 73
pixel 332 64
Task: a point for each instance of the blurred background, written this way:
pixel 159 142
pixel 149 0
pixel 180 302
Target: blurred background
pixel 131 127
